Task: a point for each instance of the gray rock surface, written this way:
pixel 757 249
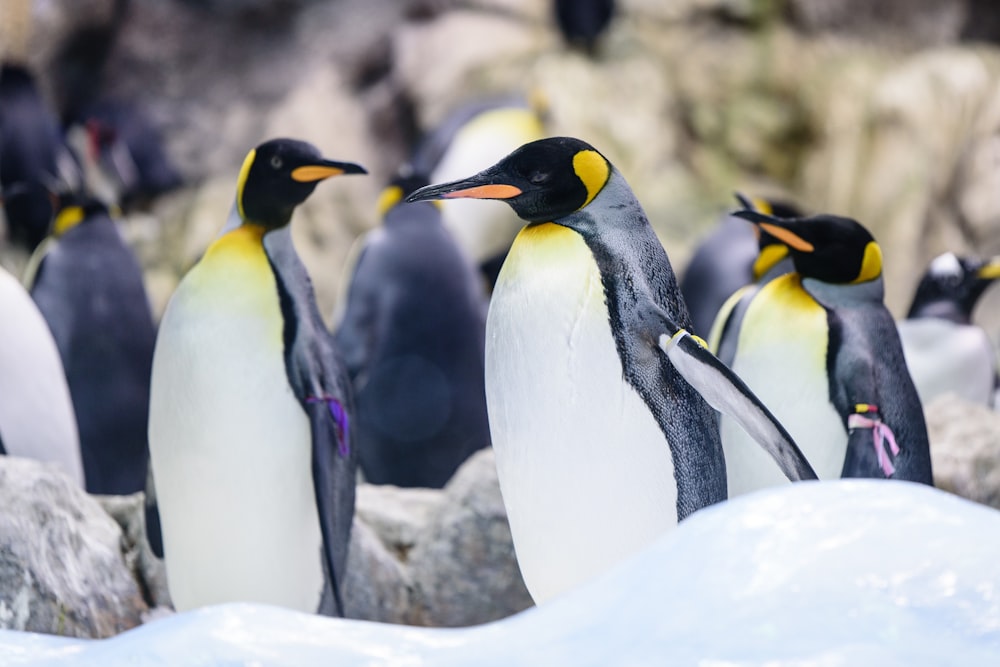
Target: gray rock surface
pixel 463 566
pixel 61 565
pixel 965 448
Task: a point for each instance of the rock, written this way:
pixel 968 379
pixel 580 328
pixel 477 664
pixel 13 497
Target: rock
pixel 398 516
pixel 377 587
pixel 147 569
pixel 61 564
pixel 965 448
pixel 463 565
pixel 920 22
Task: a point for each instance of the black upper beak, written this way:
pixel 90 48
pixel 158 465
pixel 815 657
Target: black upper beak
pixel 480 186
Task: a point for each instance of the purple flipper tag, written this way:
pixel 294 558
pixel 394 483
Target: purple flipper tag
pixel 340 419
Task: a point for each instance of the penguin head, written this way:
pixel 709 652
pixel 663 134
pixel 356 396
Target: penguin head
pixel 542 181
pixel 279 175
pixel 952 285
pixel 827 248
pixel 770 251
pixel 404 183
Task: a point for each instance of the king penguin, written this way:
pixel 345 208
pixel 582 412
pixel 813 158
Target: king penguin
pixel 89 286
pixel 596 392
pixel 820 348
pixel 36 412
pixel 413 336
pixel 944 350
pixel 731 257
pixel 31 148
pixel 249 419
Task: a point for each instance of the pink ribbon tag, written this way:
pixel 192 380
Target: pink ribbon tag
pixel 881 433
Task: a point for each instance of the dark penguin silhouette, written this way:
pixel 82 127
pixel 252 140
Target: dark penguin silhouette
pixel 89 287
pixel 412 335
pixel 582 22
pixel 130 151
pixel 31 148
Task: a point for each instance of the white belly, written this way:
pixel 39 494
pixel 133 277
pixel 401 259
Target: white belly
pixel 36 411
pixel 585 471
pixel 944 357
pixel 781 355
pixel 230 449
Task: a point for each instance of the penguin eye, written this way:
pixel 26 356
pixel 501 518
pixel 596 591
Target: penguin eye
pixel 538 177
pixel 276 162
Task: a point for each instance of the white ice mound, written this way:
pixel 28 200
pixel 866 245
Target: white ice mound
pixel 826 574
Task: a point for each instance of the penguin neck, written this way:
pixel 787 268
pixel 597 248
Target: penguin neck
pixel 626 249
pixel 837 295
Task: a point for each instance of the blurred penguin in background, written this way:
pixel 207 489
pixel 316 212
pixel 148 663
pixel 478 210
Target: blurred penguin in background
pixel 732 256
pixel 413 337
pixel 945 351
pixel 583 22
pixel 474 136
pixel 36 413
pixel 129 152
pixel 32 150
pixel 88 285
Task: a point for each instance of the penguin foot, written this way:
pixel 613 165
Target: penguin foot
pixel 881 434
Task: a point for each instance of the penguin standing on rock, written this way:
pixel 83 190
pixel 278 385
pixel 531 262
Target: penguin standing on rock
pixel 945 351
pixel 412 336
pixel 598 397
pixel 88 285
pixel 820 348
pixel 250 409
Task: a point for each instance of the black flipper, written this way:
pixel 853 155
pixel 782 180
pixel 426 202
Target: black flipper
pixel 727 393
pixel 154 534
pixel 3 450
pixel 319 380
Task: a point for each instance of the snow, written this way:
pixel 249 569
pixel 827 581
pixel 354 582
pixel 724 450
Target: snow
pixel 817 574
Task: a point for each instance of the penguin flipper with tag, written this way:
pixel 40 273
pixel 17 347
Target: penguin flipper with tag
pixel 726 392
pixel 321 385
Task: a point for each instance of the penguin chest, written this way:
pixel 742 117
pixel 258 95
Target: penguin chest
pixel 585 470
pixel 781 354
pixel 944 357
pixel 229 443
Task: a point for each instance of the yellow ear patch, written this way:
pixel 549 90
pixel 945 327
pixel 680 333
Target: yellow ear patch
pixel 242 181
pixel 762 206
pixel 769 256
pixel 593 170
pixel 389 198
pixel 68 218
pixel 871 264
pixel 990 271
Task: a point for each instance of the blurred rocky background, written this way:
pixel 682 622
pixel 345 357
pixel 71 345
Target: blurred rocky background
pixel 888 112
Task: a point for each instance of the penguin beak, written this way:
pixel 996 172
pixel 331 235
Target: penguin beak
pixel 480 186
pixel 990 270
pixel 312 173
pixel 778 228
